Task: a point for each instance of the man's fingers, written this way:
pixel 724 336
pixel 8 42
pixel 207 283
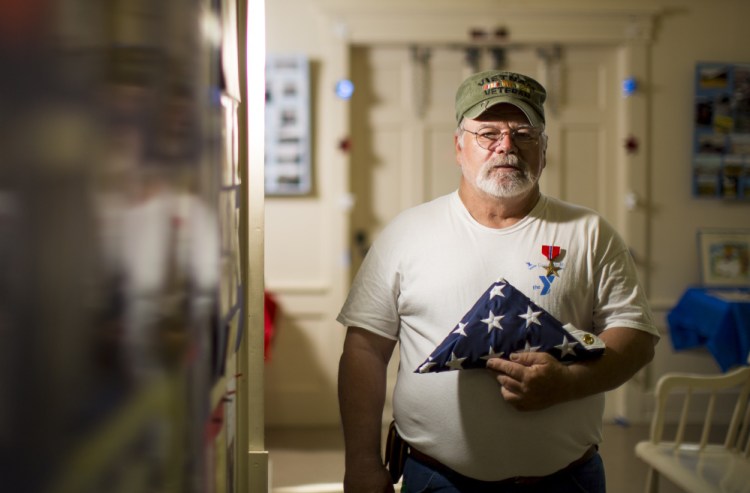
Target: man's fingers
pixel 525 359
pixel 512 397
pixel 509 383
pixel 531 358
pixel 517 363
pixel 502 364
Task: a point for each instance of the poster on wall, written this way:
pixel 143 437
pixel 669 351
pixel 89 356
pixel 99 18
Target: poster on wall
pixel 725 257
pixel 721 143
pixel 287 143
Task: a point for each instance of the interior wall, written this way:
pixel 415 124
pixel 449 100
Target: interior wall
pixel 689 31
pixel 698 32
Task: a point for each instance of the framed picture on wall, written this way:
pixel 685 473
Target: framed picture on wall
pixel 724 257
pixel 287 132
pixel 721 141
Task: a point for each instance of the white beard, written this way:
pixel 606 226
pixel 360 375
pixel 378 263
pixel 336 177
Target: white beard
pixel 505 185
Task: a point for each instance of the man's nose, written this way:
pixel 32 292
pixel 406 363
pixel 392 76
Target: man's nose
pixel 505 143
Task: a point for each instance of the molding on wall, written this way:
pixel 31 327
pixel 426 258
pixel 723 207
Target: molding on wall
pixel 486 7
pixel 407 22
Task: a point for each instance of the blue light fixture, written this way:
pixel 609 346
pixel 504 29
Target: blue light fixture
pixel 629 86
pixel 344 89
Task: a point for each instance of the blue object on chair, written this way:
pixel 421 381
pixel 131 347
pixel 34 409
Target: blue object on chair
pixel 721 324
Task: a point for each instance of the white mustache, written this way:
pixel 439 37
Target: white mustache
pixel 507 160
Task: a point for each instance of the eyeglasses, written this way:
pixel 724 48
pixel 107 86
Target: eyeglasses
pixel 489 138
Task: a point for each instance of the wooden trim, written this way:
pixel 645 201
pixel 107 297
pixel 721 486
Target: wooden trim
pixel 410 22
pixel 252 458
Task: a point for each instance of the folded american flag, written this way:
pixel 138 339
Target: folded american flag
pixel 505 321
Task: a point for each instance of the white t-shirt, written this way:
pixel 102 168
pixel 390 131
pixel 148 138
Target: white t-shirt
pixel 428 267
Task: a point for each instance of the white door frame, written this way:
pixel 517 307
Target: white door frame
pixel 629 29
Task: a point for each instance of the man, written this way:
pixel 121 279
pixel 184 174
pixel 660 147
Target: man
pixel 528 423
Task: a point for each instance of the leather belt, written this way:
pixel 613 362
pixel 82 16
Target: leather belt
pixel 519 480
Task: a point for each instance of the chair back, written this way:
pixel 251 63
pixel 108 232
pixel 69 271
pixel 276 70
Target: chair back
pixel 734 384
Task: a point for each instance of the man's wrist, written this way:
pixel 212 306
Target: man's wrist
pixel 363 459
pixel 577 381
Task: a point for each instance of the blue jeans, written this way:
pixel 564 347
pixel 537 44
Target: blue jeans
pixel 584 478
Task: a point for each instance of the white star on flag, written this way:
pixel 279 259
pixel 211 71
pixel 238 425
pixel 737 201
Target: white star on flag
pixel 455 363
pixel 531 317
pixel 566 347
pixel 492 354
pixel 528 348
pixel 493 321
pixel 460 329
pixel 526 327
pixel 497 290
pixel 425 368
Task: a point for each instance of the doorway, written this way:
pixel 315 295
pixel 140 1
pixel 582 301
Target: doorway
pixel 403 120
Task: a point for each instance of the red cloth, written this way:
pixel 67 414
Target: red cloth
pixel 270 308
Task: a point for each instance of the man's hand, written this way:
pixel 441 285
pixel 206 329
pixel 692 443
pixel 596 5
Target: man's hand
pixel 532 381
pixel 373 478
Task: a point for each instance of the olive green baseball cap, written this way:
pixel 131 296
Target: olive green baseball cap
pixel 481 91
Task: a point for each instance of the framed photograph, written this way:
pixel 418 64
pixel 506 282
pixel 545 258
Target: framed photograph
pixel 724 257
pixel 288 163
pixel 721 131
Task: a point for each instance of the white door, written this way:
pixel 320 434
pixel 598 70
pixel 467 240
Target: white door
pixel 403 121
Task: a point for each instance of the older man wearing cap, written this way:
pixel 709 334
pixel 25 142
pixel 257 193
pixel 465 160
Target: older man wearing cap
pixel 527 422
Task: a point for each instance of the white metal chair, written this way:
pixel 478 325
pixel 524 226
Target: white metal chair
pixel 701 466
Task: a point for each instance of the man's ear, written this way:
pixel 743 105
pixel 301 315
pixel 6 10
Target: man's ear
pixel 458 146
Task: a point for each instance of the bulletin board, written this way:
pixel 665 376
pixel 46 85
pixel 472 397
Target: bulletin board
pixel 721 139
pixel 287 119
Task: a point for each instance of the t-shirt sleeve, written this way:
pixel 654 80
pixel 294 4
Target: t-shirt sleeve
pixel 620 299
pixel 372 303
